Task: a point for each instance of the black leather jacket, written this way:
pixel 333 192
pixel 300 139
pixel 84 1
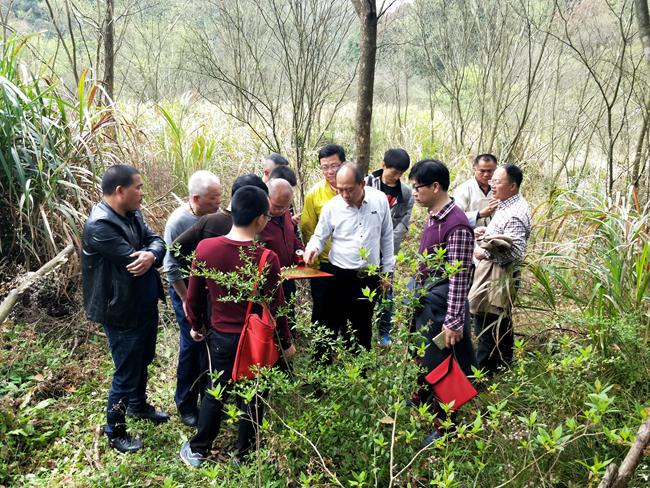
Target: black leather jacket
pixel 111 294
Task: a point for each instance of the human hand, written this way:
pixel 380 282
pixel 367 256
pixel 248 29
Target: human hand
pixel 479 253
pixel 310 255
pixel 453 337
pixel 197 336
pixel 144 260
pixel 480 231
pixel 295 219
pixel 289 352
pixel 490 209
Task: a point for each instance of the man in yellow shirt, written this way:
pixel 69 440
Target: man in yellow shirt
pixel 330 157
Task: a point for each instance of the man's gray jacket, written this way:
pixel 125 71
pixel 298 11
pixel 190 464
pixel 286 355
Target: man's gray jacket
pixel 400 212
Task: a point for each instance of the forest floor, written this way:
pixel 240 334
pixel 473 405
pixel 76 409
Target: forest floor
pixel 55 376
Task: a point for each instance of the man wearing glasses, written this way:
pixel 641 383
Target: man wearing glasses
pixel 493 315
pixel 279 235
pixel 474 196
pixel 443 298
pixel 330 157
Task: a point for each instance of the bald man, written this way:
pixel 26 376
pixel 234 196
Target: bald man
pixel 280 233
pixel 360 226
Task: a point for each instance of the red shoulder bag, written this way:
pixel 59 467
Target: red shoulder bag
pixel 257 346
pixel 449 383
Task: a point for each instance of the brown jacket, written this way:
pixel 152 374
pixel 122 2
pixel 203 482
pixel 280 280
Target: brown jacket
pixel 492 289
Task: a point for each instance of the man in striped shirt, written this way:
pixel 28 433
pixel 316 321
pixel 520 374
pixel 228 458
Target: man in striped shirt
pixel 511 219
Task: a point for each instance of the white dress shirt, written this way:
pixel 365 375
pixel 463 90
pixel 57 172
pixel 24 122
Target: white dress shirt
pixel 369 227
pixel 470 197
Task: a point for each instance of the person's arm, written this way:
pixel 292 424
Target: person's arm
pixel 153 243
pixel 472 216
pixel 107 241
pixel 517 229
pixel 386 250
pixel 319 238
pixel 460 245
pixel 308 218
pixel 196 300
pixel 273 288
pixel 462 198
pixel 186 243
pixel 172 266
pixel 402 227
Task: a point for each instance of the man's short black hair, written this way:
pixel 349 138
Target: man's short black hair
pixel 356 171
pixel 278 159
pixel 429 171
pixel 247 204
pixel 284 173
pixel 515 175
pixel 485 157
pixel 398 159
pixel 248 180
pixel 117 175
pixel 331 150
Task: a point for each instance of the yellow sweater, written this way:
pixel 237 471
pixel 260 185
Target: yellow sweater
pixel 315 198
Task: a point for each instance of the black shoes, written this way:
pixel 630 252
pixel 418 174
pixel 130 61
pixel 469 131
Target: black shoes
pixel 125 443
pixel 190 419
pixel 149 413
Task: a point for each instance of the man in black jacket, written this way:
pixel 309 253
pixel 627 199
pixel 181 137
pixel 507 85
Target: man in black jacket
pixel 121 291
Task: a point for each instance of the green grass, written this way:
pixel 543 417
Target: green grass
pixel 59 402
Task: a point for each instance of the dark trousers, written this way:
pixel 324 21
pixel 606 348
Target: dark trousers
pixel 318 288
pixel 223 349
pixel 429 321
pixel 386 317
pixel 133 350
pixel 345 303
pixel 192 362
pixel 495 340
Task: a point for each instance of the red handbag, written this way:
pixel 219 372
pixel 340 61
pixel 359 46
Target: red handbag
pixel 449 383
pixel 257 346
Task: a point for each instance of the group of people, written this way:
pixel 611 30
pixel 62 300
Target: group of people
pixel 351 226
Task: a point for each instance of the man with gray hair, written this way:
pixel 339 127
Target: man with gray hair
pixel 204 190
pixel 280 234
pixel 360 226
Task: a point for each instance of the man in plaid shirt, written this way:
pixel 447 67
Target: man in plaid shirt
pixel 512 219
pixel 444 299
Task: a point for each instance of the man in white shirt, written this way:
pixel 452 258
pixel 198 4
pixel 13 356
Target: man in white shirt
pixel 474 196
pixel 360 226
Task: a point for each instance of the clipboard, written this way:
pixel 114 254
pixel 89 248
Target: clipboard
pixel 303 272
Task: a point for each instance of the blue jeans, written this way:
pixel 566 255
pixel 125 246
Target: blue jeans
pixel 192 363
pixel 133 350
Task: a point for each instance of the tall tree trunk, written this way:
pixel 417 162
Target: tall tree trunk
pixel 643 22
pixel 109 50
pixel 367 12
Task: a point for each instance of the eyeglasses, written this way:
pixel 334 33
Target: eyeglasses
pixel 494 181
pixel 417 187
pixel 268 216
pixel 330 168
